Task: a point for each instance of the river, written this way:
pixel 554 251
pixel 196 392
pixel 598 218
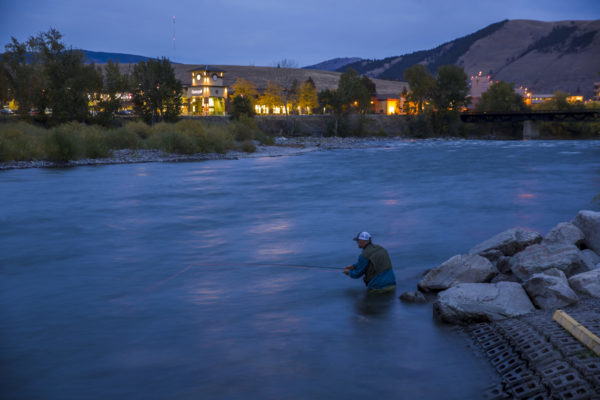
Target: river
pixel 185 280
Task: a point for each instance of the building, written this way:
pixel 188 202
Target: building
pixel 478 85
pixel 207 94
pixel 387 105
pixel 597 91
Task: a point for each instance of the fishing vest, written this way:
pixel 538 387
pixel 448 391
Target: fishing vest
pixel 379 261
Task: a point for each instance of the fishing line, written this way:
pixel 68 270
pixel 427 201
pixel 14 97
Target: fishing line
pixel 240 264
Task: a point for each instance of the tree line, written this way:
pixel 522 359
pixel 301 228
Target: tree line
pixel 53 84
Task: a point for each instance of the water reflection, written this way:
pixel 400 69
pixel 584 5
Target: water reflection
pixel 375 304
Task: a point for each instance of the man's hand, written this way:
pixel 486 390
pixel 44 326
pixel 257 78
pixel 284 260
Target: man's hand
pixel 348 268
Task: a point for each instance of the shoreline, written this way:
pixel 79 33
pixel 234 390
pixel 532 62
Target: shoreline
pixel 283 146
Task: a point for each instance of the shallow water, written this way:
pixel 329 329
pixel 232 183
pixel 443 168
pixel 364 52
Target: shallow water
pixel 175 281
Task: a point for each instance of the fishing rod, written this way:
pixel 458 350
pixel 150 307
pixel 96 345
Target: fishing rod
pixel 259 264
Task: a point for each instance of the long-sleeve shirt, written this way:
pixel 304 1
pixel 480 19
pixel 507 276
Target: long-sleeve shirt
pixel 380 281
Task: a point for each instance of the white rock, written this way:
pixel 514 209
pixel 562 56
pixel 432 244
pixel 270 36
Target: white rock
pixel 587 282
pixel 589 223
pixel 540 257
pixel 458 269
pixel 508 242
pixel 474 302
pixel 550 290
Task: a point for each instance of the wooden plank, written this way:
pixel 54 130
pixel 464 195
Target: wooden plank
pixel 579 331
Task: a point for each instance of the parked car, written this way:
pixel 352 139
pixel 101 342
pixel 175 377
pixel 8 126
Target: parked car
pixel 6 111
pixel 124 112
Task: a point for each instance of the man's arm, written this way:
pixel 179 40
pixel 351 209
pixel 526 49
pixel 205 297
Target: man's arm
pixel 357 270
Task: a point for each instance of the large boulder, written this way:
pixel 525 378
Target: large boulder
pixel 565 232
pixel 507 243
pixel 481 302
pixel 589 223
pixel 458 269
pixel 540 257
pixel 550 290
pixel 587 283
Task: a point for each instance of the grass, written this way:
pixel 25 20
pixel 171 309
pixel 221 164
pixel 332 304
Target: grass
pixel 21 141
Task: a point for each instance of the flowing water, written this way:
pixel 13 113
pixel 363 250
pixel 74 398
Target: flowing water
pixel 183 280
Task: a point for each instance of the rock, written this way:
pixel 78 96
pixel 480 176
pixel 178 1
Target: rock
pixel 413 297
pixel 589 223
pixel 458 269
pixel 493 255
pixel 503 265
pixel 508 243
pixel 508 277
pixel 565 232
pixel 587 282
pixel 540 257
pixel 550 290
pixel 590 259
pixel 481 302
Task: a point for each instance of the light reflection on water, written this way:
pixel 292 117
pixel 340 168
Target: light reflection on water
pixel 178 280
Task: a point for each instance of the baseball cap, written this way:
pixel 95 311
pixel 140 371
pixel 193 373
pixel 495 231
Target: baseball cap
pixel 363 236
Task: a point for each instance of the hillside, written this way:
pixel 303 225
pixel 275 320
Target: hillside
pixel 99 57
pixel 542 56
pixel 334 64
pixel 283 76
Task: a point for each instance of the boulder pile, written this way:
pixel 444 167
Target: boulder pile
pixel 517 271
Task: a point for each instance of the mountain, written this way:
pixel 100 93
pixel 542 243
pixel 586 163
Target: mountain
pixel 99 57
pixel 542 56
pixel 334 64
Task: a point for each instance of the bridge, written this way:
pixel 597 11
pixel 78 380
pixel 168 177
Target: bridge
pixel 531 119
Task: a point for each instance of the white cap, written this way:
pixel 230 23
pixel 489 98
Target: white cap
pixel 363 236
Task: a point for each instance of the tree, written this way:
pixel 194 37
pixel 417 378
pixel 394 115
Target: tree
pixel 353 92
pixel 500 97
pixel 242 87
pixel 273 96
pixel 284 75
pixel 331 101
pixel 44 74
pixel 69 80
pixel 421 84
pixel 156 91
pixel 451 88
pixel 308 98
pixel 115 84
pixel 21 74
pixel 241 105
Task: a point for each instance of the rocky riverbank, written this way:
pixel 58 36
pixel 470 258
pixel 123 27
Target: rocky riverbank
pixel 506 289
pixel 282 147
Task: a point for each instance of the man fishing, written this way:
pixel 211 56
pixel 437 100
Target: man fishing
pixel 373 264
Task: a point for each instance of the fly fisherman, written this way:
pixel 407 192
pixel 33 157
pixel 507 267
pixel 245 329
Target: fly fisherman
pixel 373 264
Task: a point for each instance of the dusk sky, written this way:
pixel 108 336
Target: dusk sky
pixel 261 32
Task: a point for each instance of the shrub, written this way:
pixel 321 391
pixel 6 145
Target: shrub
pixel 190 126
pixel 63 143
pixel 19 141
pixel 166 137
pixel 219 139
pixel 141 129
pixel 247 146
pixel 121 138
pixel 94 143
